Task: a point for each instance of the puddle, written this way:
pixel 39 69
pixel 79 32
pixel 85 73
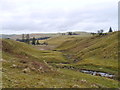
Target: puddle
pixel 96 73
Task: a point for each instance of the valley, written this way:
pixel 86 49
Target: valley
pixel 68 61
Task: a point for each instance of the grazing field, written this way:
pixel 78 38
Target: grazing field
pixel 58 64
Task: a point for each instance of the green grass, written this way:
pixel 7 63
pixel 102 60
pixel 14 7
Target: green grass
pixel 92 52
pixel 61 39
pixel 28 51
pixel 63 78
pixel 101 51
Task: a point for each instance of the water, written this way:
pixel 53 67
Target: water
pixel 95 73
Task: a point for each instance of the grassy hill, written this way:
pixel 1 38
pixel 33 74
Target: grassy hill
pixel 93 53
pixel 64 38
pixel 26 66
pixel 20 58
pixel 107 44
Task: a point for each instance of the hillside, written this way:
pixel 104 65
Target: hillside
pixel 21 60
pixel 98 53
pixel 93 46
pixel 27 66
pixel 64 38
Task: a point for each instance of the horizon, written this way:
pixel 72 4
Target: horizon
pixel 52 32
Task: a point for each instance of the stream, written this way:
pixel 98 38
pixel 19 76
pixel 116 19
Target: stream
pixel 97 73
pixel 91 72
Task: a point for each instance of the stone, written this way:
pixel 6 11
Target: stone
pixel 26 70
pixel 75 86
pixel 13 66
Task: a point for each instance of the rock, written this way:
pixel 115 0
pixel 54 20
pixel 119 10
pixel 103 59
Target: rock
pixel 26 70
pixel 111 76
pixel 13 66
pixel 83 81
pixel 2 60
pixel 94 85
pixel 75 86
pixel 33 69
pixel 40 69
pixel 98 74
pixel 94 73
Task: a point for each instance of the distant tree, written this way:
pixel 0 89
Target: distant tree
pixel 69 33
pixel 7 38
pixel 105 33
pixel 100 32
pixel 23 38
pixel 110 30
pixel 27 39
pixel 33 41
pixel 38 42
pixel 19 40
pixel 74 33
pixel 63 33
pixel 93 34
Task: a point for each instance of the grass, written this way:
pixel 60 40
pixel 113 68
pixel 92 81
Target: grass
pixel 28 51
pixel 63 78
pixel 61 39
pixel 91 52
pixel 100 51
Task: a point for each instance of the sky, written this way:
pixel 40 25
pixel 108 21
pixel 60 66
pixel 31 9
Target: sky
pixel 43 16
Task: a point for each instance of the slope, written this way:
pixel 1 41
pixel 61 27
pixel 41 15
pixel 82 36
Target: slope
pixel 98 53
pixel 26 67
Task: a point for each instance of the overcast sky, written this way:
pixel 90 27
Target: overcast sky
pixel 35 16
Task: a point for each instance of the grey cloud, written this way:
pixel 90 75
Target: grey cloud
pixel 89 18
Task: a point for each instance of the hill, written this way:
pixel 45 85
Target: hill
pixel 98 53
pixel 100 46
pixel 21 60
pixel 38 35
pixel 27 67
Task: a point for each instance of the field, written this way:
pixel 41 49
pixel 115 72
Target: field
pixel 58 64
